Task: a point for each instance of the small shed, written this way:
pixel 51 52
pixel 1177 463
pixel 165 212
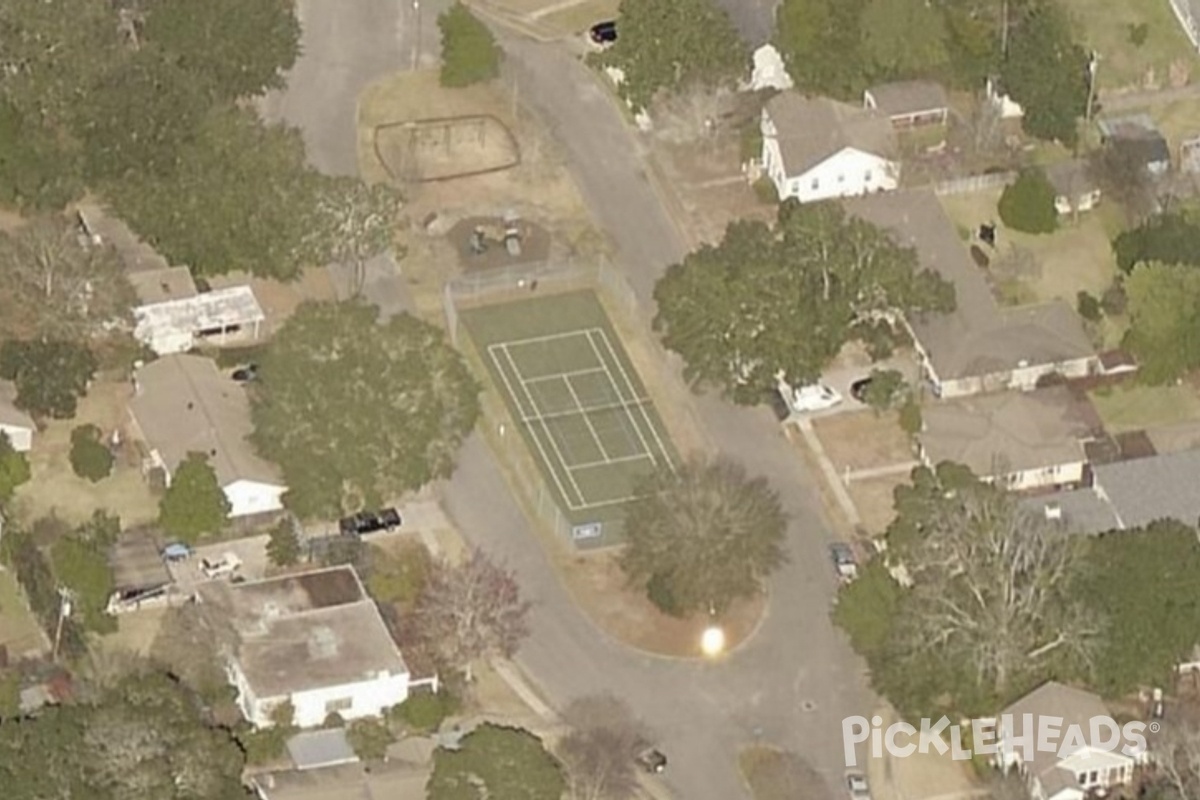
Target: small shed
pixel 909 104
pixel 1138 133
pixel 1074 189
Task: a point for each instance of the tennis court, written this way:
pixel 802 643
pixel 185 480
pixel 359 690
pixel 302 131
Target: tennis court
pixel 582 408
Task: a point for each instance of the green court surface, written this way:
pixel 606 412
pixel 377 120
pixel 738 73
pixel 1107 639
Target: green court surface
pixel 581 406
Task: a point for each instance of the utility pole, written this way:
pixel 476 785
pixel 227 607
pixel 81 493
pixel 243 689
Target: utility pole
pixel 64 611
pixel 416 54
pixel 1093 64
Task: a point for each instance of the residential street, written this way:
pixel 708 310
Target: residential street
pixel 792 685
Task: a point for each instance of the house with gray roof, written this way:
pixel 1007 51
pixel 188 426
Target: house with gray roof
pixel 1129 494
pixel 315 640
pixel 815 148
pixel 183 404
pixel 1072 765
pixel 909 104
pixel 1022 440
pixel 980 346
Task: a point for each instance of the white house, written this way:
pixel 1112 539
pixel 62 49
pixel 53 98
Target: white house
pixel 315 640
pixel 980 346
pixel 15 423
pixel 1022 440
pixel 815 148
pixel 183 404
pixel 173 316
pixel 1064 770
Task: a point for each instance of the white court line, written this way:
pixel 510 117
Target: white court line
pixel 492 350
pixel 624 405
pixel 629 385
pixel 573 373
pixel 618 460
pixel 586 420
pixel 553 337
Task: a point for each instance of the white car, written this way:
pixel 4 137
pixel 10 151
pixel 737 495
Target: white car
pixel 814 397
pixel 228 564
pixel 856 783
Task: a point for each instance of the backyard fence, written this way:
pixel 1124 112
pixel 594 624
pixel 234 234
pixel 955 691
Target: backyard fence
pixel 974 183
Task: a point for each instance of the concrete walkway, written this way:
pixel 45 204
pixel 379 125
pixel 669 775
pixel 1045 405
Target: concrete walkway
pixel 880 472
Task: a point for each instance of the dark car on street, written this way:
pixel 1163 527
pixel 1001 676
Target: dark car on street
pixel 603 33
pixel 369 522
pixel 653 761
pixel 246 374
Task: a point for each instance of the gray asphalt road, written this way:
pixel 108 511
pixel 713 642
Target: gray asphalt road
pixel 347 44
pixel 793 684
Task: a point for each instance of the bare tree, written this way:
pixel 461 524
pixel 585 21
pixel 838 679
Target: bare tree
pixel 993 586
pixel 1177 755
pixel 472 610
pixel 356 222
pixel 70 288
pixel 599 751
pixel 1120 171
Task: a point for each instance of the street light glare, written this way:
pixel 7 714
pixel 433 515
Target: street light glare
pixel 712 642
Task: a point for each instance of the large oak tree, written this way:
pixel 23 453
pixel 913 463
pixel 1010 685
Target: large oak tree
pixel 787 298
pixel 702 49
pixel 355 411
pixel 702 536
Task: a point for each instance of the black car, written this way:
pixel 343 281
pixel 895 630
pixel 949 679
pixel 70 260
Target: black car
pixel 369 522
pixel 778 405
pixel 603 32
pixel 246 374
pixel 652 761
pixel 858 389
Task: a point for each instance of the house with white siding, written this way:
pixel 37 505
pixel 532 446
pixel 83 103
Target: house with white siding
pixel 18 426
pixel 315 640
pixel 980 346
pixel 183 404
pixel 1019 440
pixel 815 148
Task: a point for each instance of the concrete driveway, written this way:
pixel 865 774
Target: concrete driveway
pixel 346 46
pixel 790 686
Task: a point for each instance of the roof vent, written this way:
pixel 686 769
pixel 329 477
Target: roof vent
pixel 1053 511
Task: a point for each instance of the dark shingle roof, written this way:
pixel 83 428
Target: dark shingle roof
pixel 1143 490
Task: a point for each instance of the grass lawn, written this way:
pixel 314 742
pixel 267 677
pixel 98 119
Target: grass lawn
pixel 1104 26
pixel 579 17
pixel 1132 407
pixel 1078 256
pixel 19 631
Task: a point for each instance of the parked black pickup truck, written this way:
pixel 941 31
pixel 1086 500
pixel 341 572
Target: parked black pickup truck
pixel 369 522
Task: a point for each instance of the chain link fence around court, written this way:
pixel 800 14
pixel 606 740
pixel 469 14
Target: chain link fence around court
pixel 509 284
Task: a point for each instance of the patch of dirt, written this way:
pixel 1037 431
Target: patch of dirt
pixel 535 243
pixel 54 487
pixel 863 439
pixel 279 300
pixel 874 499
pixel 442 149
pixel 708 180
pixel 599 587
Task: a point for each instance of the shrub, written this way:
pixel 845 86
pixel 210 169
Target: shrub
pixel 90 459
pixel 1027 204
pixel 1114 301
pixel 333 720
pixel 1088 306
pixel 658 591
pixel 425 711
pixel 369 738
pixel 1138 33
pixel 764 187
pixel 469 51
pixel 910 417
